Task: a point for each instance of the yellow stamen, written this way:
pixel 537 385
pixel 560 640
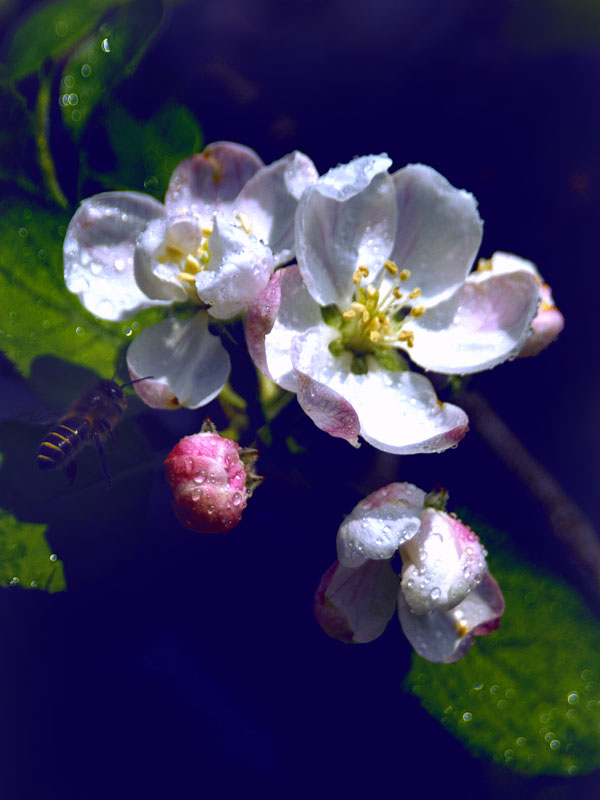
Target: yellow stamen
pixel 371 291
pixel 407 336
pixel 417 311
pixel 461 627
pixel 365 316
pixel 206 230
pixel 415 293
pixel 404 275
pixel 484 265
pixel 173 253
pixel 364 271
pixel 356 278
pixel 391 267
pixel 244 221
pixel 192 264
pixel 350 314
pixel 397 293
pixel 185 276
pixel 374 335
pixel 357 306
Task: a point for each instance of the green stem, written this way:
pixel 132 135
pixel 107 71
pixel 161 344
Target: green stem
pixel 42 121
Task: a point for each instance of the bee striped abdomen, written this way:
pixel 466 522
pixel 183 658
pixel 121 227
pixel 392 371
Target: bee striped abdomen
pixel 63 442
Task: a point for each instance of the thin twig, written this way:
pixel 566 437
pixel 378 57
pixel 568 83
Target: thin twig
pixel 567 521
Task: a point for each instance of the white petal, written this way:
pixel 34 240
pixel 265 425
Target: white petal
pixel 379 524
pixel 398 411
pixel 445 636
pixel 442 564
pixel 346 219
pixel 210 181
pixel 239 268
pixel 297 312
pixel 269 201
pixel 157 278
pixel 98 252
pixel 355 605
pixel 485 322
pixel 439 232
pixel 189 366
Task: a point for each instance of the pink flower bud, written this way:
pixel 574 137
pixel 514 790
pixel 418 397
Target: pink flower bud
pixel 212 479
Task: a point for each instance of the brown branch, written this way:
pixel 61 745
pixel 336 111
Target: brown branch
pixel 568 523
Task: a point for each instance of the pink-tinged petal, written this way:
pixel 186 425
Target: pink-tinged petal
pixel 398 412
pixel 439 232
pixel 344 220
pixel 210 181
pixel 485 322
pixel 355 605
pixel 442 564
pixel 239 268
pixel 155 274
pixel 548 321
pixel 268 202
pixel 445 636
pixel 260 318
pixel 327 409
pixel 379 524
pixel 98 252
pixel 189 366
pixel 296 312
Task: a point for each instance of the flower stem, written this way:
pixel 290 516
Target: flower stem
pixel 567 521
pixel 42 116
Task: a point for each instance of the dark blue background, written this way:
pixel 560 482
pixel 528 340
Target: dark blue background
pixel 193 667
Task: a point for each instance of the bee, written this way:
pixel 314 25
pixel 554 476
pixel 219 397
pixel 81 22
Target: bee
pixel 91 418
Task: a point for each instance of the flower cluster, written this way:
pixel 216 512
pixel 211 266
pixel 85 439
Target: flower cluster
pixel 385 288
pixel 445 594
pixel 226 223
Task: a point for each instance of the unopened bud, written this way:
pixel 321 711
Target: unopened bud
pixel 212 478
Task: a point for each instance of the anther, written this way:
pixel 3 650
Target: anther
pixel 350 314
pixel 405 275
pixel 391 267
pixel 244 222
pixel 364 271
pixel 484 265
pixel 173 253
pixel 397 293
pixel 374 335
pixel 417 311
pixel 415 293
pixel 357 276
pixel 357 306
pixel 185 276
pixel 371 291
pixel 365 316
pixel 192 263
pixel 407 336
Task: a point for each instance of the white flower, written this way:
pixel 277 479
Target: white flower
pixel 227 221
pixel 383 273
pixel 446 594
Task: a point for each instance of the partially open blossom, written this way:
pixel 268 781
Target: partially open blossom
pixel 212 479
pixel 383 274
pixel 226 222
pixel 445 594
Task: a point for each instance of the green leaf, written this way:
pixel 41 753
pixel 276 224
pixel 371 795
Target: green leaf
pixel 51 30
pixel 26 559
pixel 148 151
pixel 38 315
pixel 528 695
pixel 105 58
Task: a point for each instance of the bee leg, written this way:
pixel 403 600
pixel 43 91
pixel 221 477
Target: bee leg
pixel 102 457
pixel 107 430
pixel 71 471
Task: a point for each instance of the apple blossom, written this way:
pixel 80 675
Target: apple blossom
pixel 226 222
pixel 445 594
pixel 212 478
pixel 384 273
